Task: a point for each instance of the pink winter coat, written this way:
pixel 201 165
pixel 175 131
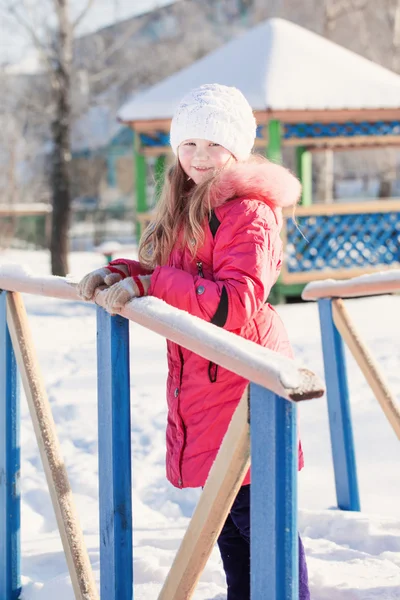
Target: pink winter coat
pixel 227 283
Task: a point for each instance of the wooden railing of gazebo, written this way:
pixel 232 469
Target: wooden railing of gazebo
pixel 338 240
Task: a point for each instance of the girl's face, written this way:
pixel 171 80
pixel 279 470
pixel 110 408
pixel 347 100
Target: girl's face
pixel 200 158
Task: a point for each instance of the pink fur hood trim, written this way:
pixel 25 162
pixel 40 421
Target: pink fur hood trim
pixel 256 178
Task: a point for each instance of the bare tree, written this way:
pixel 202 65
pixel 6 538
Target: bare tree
pixel 55 45
pixel 22 168
pixel 23 131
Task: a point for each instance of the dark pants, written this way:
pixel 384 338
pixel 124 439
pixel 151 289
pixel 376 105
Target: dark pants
pixel 234 545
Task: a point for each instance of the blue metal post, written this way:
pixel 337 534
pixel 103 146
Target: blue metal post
pixel 10 499
pixel 274 536
pixel 115 497
pixel 343 453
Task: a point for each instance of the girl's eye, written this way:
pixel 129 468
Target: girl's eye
pixel 214 144
pixel 190 144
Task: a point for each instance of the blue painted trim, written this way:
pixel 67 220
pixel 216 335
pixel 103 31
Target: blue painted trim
pixel 10 464
pixel 347 129
pixel 343 452
pixel 114 424
pixel 274 465
pixel 156 138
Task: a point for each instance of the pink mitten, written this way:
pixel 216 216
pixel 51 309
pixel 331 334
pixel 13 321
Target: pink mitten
pixel 123 291
pixel 103 276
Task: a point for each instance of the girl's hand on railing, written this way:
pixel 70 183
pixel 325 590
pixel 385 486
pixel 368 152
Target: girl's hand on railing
pixel 123 291
pixel 106 276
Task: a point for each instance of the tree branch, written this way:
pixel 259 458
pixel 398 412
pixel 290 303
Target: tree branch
pixel 43 50
pixel 83 14
pixel 121 41
pixel 11 9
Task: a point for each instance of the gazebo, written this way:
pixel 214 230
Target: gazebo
pixel 308 93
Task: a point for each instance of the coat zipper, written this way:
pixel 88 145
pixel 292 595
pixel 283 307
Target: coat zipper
pixel 212 367
pixel 180 482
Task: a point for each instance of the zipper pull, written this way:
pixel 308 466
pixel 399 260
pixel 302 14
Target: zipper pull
pixel 200 269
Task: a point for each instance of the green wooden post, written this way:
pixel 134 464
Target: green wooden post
pixel 159 174
pixel 274 147
pixel 304 173
pixel 274 154
pixel 140 180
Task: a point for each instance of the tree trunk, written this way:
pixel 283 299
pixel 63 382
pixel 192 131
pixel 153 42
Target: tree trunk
pixel 61 185
pixel 385 188
pixel 388 174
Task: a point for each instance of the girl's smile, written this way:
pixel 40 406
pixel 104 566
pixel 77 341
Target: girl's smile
pixel 200 158
pixel 203 169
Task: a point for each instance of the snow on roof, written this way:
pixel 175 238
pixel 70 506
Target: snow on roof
pixel 280 66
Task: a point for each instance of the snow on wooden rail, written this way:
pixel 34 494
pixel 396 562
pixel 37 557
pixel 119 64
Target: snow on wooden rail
pixel 253 362
pixel 28 209
pixel 336 328
pixel 384 282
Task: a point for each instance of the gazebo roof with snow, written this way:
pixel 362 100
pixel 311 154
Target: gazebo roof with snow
pixel 287 73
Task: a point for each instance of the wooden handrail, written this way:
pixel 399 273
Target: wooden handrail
pixel 269 369
pixel 346 208
pixel 22 210
pixel 383 282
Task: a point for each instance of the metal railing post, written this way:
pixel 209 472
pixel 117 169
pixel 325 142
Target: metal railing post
pixel 114 424
pixel 10 499
pixel 274 465
pixel 343 452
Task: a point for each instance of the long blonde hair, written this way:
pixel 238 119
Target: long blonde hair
pixel 181 211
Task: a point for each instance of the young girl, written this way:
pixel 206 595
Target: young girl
pixel 214 251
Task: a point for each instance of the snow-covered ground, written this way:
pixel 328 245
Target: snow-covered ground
pixel 351 556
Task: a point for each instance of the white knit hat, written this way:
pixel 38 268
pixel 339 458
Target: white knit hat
pixel 217 113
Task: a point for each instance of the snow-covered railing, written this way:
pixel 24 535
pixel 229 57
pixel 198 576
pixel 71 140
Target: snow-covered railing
pixel 28 209
pixel 336 327
pixel 10 213
pixel 275 379
pixel 385 282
